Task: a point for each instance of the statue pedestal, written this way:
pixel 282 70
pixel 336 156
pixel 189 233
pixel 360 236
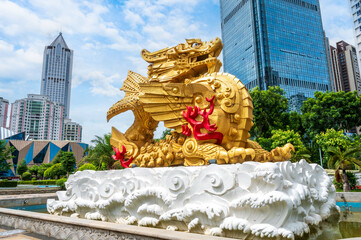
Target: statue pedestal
pixel 280 199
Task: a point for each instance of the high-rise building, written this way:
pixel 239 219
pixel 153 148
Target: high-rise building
pixel 72 131
pixel 57 72
pixel 38 117
pixel 4 104
pixel 345 68
pixel 276 43
pixel 356 16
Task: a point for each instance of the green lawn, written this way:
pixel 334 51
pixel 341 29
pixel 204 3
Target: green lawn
pixel 355 190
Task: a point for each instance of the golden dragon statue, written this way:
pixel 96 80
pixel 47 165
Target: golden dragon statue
pixel 210 112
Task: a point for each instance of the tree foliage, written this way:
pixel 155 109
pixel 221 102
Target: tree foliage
pixel 55 171
pixel 34 170
pixel 332 138
pixel 67 160
pixel 337 110
pixel 165 133
pixel 42 168
pixel 100 155
pixel 5 154
pixel 341 160
pixel 282 137
pixel 22 167
pixel 87 166
pixel 270 111
pixel 26 176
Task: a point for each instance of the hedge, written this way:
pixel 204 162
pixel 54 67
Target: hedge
pixel 61 183
pixel 8 183
pixel 38 182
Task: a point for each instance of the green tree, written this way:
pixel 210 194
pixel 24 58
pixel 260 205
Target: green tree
pixel 281 137
pixel 55 171
pixel 165 133
pixel 34 170
pixel 331 138
pixel 5 154
pixel 87 166
pixel 22 167
pixel 68 162
pixel 337 110
pixel 58 157
pixel 270 111
pixel 100 155
pixel 294 122
pixel 42 168
pixel 26 176
pixel 341 160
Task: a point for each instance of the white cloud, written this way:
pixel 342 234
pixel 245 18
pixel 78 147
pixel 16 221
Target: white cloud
pixel 19 63
pixel 337 21
pixel 133 18
pixel 103 85
pixel 17 20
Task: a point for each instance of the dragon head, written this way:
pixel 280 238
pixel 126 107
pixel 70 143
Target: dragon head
pixel 186 60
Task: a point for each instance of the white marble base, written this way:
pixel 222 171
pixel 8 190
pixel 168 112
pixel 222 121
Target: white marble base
pixel 263 199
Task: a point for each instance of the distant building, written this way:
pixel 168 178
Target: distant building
pixel 345 68
pixel 37 152
pixel 356 16
pixel 72 131
pixel 276 43
pixel 4 104
pixel 57 73
pixel 5 133
pixel 329 63
pixel 38 117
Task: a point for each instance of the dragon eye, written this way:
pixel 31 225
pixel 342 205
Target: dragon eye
pixel 195 45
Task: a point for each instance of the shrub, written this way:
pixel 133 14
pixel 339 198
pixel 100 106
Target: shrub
pixel 22 167
pixel 38 182
pixel 87 166
pixel 8 183
pixel 26 176
pixel 61 183
pixel 351 179
pixel 43 167
pixel 55 171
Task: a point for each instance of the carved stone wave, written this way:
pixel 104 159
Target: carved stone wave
pixel 267 200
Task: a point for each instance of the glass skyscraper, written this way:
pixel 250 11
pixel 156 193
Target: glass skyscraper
pixel 276 43
pixel 57 73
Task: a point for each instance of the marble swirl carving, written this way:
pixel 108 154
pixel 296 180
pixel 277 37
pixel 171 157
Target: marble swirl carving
pixel 274 200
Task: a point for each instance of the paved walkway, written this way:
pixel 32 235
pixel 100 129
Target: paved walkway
pixel 9 233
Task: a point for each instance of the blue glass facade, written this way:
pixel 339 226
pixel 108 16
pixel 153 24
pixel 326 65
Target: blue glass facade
pixel 276 42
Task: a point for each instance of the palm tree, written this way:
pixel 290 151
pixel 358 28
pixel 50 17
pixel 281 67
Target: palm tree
pixel 302 153
pixel 101 153
pixel 340 160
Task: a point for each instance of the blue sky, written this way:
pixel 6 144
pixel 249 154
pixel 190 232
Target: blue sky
pixel 107 37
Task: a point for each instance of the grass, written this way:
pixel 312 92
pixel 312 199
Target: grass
pixel 355 190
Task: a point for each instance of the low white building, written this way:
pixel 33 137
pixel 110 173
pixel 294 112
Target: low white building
pixel 72 131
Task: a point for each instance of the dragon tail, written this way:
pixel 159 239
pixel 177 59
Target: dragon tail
pixel 132 92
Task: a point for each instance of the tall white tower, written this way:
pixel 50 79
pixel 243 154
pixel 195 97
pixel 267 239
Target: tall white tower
pixel 356 17
pixel 57 73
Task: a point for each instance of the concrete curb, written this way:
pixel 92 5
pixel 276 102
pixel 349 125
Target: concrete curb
pixel 61 227
pixel 8 201
pixel 348 196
